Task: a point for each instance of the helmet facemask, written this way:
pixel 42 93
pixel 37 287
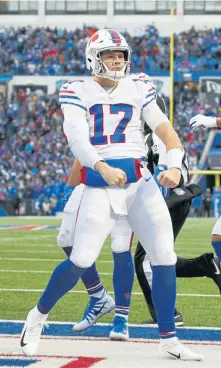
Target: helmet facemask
pixel 101 70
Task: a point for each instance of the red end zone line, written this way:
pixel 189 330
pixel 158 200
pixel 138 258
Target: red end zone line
pixel 136 341
pixel 77 361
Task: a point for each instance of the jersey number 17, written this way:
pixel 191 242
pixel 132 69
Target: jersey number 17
pixel 118 136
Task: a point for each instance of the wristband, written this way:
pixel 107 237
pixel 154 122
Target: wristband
pixel 175 158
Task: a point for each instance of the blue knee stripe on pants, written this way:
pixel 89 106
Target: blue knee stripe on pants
pixel 217 247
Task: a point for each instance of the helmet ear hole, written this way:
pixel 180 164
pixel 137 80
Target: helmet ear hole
pixel 125 55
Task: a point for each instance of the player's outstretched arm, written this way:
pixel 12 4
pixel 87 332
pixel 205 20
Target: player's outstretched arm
pixel 204 122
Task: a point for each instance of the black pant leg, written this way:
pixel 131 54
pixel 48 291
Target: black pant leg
pixel 194 267
pixel 178 217
pixel 189 267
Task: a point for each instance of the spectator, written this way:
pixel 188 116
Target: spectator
pixel 16 202
pixel 207 203
pixel 46 208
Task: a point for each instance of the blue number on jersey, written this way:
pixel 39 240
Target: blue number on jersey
pixel 99 137
pixel 118 136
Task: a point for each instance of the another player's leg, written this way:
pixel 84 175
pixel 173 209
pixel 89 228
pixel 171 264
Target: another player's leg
pixel 205 264
pixel 216 238
pixel 144 275
pixel 91 230
pixel 91 279
pixel 123 277
pixel 156 236
pixel 144 269
pixel 100 302
pixel 66 233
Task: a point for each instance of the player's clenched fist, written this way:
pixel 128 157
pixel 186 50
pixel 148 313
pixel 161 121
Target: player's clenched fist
pixel 113 177
pixel 170 178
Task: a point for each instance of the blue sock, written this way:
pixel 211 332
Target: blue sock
pixel 63 279
pixel 164 298
pixel 217 247
pixel 92 281
pixel 123 278
pixel 67 251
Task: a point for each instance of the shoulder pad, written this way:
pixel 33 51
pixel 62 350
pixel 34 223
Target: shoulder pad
pixel 71 94
pixel 142 77
pixel 72 86
pixel 77 80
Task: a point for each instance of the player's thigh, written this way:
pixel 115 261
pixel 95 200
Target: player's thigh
pixel 94 223
pixel 121 235
pixel 66 232
pixel 65 235
pixel 73 203
pixel 150 220
pixel 217 228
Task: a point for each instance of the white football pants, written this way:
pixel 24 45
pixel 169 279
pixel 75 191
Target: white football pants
pixel 121 234
pixel 101 209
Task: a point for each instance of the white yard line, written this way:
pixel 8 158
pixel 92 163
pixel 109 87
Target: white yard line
pixel 110 292
pixel 108 324
pixel 40 228
pixel 26 237
pixel 40 251
pixel 45 272
pixel 42 260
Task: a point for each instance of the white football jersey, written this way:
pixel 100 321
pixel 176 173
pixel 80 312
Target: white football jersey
pixel 101 125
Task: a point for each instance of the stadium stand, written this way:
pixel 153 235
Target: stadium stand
pixel 46 51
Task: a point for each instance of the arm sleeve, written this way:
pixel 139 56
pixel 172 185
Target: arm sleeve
pixel 76 127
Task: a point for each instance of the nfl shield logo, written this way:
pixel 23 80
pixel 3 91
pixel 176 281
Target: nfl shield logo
pixel 179 191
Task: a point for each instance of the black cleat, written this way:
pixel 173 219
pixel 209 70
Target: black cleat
pixel 178 321
pixel 216 272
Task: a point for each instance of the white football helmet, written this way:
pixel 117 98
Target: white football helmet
pixel 107 40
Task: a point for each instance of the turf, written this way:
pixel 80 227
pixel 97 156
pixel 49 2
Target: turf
pixel 26 251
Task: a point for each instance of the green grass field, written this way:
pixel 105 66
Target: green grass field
pixel 24 251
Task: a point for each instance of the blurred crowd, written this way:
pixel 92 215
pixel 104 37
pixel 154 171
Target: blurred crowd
pixel 46 51
pixel 187 104
pixel 34 157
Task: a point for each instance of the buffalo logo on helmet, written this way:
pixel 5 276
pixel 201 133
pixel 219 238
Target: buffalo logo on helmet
pixel 94 37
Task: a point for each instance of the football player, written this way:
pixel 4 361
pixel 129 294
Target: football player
pixel 210 122
pixel 179 203
pixel 103 123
